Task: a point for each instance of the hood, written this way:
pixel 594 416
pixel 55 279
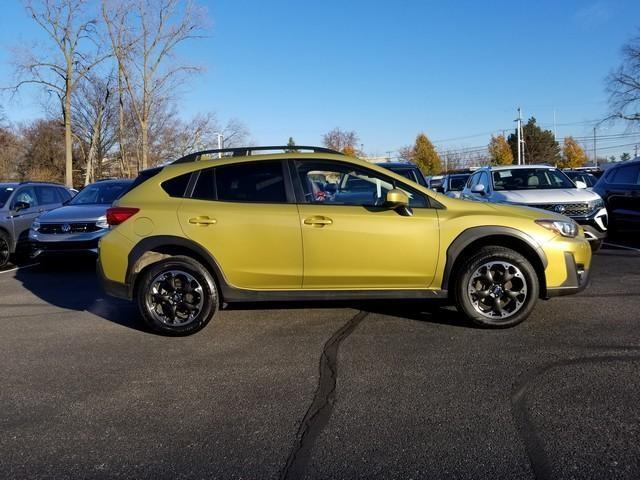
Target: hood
pixel 74 213
pixel 470 207
pixel 560 195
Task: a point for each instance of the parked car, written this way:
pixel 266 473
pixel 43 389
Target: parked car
pixel 581 176
pixel 406 169
pixel 201 233
pixel 620 189
pixel 434 182
pixel 76 227
pixel 453 184
pixel 20 204
pixel 545 187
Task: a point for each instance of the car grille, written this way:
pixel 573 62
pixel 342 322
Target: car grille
pixel 65 228
pixel 569 209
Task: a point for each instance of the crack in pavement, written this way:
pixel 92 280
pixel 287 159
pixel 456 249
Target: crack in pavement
pixel 533 443
pixel 319 412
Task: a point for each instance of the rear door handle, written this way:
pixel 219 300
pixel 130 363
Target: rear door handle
pixel 204 221
pixel 318 221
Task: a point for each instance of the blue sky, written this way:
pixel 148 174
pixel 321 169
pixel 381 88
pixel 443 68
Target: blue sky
pixel 389 70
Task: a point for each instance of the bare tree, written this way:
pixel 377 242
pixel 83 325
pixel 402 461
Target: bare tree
pixel 74 52
pixel 341 141
pixel 623 85
pixel 94 113
pixel 144 36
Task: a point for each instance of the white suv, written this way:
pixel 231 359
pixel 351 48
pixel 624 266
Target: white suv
pixel 545 187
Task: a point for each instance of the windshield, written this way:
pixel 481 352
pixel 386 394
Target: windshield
pixel 530 179
pixel 100 193
pixel 457 182
pixel 5 193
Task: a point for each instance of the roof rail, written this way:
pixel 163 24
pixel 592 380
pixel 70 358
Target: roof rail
pixel 247 151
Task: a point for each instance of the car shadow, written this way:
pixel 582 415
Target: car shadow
pixel 72 284
pixel 436 312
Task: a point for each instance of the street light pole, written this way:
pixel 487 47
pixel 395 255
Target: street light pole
pixel 595 150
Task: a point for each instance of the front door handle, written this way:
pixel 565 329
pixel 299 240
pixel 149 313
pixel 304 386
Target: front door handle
pixel 203 221
pixel 318 221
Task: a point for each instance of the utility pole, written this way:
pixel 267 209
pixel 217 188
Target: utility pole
pixel 519 133
pixel 595 150
pixel 555 134
pixel 220 143
pixel 636 155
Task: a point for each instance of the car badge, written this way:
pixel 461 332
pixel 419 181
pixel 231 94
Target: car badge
pixel 66 228
pixel 560 208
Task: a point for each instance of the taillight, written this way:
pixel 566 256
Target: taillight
pixel 117 215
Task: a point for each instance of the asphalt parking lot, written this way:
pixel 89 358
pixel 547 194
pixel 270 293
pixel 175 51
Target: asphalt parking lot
pixel 371 390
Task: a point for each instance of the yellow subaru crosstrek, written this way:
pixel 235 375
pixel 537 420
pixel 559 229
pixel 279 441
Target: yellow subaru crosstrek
pixel 316 225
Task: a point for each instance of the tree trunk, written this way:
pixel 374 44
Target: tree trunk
pixel 68 141
pixel 145 144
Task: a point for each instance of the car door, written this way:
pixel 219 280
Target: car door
pixel 622 192
pixel 245 215
pixel 351 240
pixel 24 210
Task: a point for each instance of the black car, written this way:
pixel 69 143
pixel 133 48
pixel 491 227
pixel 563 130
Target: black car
pixel 408 170
pixel 453 184
pixel 620 189
pixel 581 176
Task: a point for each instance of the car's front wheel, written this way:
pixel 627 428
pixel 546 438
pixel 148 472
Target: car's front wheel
pixel 177 296
pixel 5 252
pixel 595 245
pixel 496 288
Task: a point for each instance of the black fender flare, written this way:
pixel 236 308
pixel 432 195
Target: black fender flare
pixel 473 234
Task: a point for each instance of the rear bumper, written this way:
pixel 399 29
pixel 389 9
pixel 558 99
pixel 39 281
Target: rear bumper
pixel 111 288
pixel 577 278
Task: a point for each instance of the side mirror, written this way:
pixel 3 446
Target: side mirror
pixel 580 184
pixel 21 206
pixel 479 189
pixel 396 198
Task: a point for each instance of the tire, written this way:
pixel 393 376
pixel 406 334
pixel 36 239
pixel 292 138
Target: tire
pixel 595 245
pixel 481 299
pixel 176 296
pixel 5 250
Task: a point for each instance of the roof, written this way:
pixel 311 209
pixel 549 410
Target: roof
pixel 512 167
pixel 396 164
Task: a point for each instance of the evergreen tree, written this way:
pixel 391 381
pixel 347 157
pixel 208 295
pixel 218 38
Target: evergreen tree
pixel 625 156
pixel 540 145
pixel 499 151
pixel 425 156
pixel 291 146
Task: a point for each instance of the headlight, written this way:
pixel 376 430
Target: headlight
pixel 566 229
pixel 596 204
pixel 35 225
pixel 102 222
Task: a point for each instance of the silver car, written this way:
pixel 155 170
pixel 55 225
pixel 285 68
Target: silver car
pixel 76 227
pixel 20 204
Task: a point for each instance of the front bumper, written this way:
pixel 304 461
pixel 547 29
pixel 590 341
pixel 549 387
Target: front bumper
pixel 56 245
pixel 594 225
pixel 577 278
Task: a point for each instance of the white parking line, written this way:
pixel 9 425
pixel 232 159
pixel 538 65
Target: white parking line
pixel 622 246
pixel 18 268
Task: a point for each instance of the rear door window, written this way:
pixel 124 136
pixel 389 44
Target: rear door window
pixel 47 195
pixel 258 182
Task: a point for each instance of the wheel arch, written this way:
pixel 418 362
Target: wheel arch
pixel 469 241
pixel 151 250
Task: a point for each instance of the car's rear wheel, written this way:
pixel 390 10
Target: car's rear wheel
pixel 5 252
pixel 177 296
pixel 496 288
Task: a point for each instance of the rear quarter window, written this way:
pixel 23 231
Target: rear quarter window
pixel 177 186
